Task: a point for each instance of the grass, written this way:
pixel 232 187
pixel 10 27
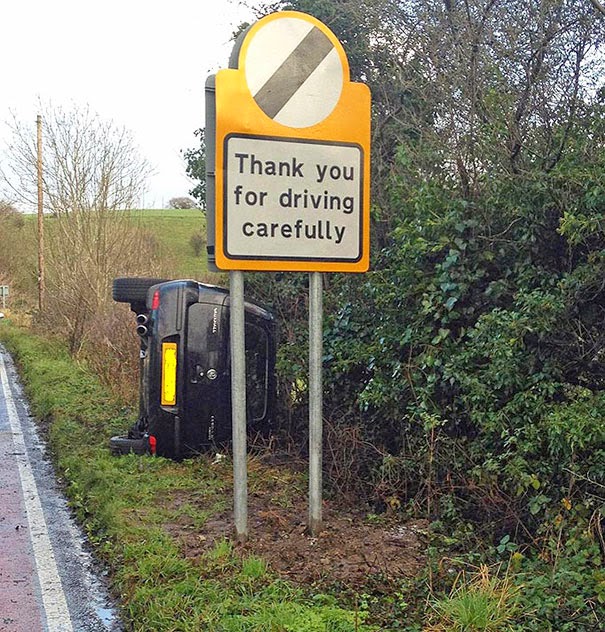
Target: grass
pixel 483 603
pixel 126 504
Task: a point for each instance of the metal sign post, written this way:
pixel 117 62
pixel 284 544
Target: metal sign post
pixel 238 403
pixel 315 401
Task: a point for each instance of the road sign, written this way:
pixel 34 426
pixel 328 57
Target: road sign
pixel 3 290
pixel 299 85
pixel 292 157
pixel 282 204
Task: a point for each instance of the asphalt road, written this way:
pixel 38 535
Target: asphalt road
pixel 49 582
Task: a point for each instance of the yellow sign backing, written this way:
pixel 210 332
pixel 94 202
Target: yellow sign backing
pixel 292 153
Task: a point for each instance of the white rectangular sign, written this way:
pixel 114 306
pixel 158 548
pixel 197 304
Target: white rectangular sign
pixel 292 199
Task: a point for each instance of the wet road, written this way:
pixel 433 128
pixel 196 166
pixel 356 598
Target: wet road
pixel 48 580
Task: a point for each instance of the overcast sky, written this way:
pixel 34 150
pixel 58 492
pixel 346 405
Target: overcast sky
pixel 141 63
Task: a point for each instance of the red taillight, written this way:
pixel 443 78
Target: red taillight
pixel 152 444
pixel 155 303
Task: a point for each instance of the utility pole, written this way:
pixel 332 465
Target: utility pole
pixel 40 220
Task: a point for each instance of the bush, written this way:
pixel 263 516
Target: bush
pixel 197 243
pixel 10 214
pixel 18 251
pixel 485 602
pixel 182 203
pixel 113 353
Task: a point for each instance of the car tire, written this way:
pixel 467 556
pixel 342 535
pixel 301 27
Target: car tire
pixel 125 445
pixel 133 289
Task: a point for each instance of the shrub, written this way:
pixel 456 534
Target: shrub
pixel 482 603
pixel 197 243
pixel 182 203
pixel 86 250
pixel 113 352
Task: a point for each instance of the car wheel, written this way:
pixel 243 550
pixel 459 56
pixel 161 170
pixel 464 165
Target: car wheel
pixel 133 289
pixel 125 445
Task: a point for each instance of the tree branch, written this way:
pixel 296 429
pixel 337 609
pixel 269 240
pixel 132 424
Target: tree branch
pixel 598 6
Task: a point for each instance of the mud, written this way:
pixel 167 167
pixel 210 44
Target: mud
pixel 350 549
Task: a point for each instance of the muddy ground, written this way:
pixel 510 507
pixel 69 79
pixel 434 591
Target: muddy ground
pixel 352 546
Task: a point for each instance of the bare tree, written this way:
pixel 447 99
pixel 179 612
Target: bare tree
pixel 92 174
pixel 598 6
pixel 86 250
pixel 89 163
pixel 477 86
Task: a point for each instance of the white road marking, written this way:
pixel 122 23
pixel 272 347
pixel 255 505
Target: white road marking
pixel 53 597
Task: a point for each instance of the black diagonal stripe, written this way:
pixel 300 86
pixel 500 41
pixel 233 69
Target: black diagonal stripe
pixel 295 70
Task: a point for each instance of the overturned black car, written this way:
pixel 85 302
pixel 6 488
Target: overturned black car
pixel 185 377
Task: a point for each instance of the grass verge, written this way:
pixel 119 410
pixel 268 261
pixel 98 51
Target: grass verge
pixel 125 505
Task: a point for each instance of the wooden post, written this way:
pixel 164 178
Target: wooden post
pixel 40 219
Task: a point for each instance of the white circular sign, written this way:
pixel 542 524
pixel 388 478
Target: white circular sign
pixel 294 72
